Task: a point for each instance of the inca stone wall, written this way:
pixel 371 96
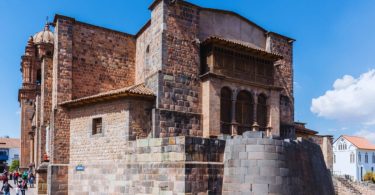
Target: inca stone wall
pixel 174 165
pixel 256 165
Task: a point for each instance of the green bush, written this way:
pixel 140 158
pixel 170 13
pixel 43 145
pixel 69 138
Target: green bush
pixel 15 165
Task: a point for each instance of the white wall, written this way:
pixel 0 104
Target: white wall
pixel 341 163
pixel 12 152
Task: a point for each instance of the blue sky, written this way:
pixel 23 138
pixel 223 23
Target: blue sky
pixel 334 39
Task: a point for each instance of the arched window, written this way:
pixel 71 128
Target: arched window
pixel 244 111
pixel 359 157
pixel 262 112
pixel 366 158
pixel 225 110
pixel 344 146
pixel 339 146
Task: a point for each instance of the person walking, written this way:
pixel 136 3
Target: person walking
pixel 15 177
pixel 6 188
pixel 5 177
pixel 31 180
pixel 25 176
pixel 23 186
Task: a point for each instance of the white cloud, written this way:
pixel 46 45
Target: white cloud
pixel 369 135
pixel 351 99
pixel 338 129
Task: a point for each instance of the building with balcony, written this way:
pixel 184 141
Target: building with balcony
pixel 161 102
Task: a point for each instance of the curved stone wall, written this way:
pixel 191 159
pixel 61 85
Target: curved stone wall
pixel 256 165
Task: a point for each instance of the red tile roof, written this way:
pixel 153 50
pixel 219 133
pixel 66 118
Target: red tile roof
pixel 10 143
pixel 135 90
pixel 242 45
pixel 360 142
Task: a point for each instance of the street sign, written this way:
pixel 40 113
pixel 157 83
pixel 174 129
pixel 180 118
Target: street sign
pixel 80 168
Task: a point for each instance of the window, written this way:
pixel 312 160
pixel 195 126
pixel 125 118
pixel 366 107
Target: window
pixel 262 112
pixel 359 157
pixel 97 126
pixel 345 146
pixel 244 111
pixel 225 110
pixel 334 158
pixel 38 77
pixel 366 158
pixel 352 158
pixel 373 157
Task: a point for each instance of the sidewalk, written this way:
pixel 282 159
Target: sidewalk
pixel 29 191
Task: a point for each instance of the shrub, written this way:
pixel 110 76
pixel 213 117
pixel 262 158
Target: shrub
pixel 369 176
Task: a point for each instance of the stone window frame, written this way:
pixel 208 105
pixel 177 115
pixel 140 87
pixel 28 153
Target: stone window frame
pixel 90 126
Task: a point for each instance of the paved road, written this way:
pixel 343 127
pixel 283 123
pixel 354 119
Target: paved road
pixel 29 191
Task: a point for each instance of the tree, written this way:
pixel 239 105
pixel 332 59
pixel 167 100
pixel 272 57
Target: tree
pixel 15 165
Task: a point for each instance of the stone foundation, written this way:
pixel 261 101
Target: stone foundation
pixel 257 165
pixel 248 164
pixel 57 179
pixel 174 165
pixel 41 178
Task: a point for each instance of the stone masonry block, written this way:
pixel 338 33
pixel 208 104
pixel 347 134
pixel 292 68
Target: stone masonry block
pixel 239 148
pixel 253 134
pixel 243 155
pixel 270 148
pixel 266 163
pixel 255 155
pixel 248 163
pixel 269 171
pixel 255 148
pixel 253 171
pixel 260 189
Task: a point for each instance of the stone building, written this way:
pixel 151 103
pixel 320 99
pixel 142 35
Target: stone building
pixel 196 94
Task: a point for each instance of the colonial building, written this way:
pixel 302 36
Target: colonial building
pixel 353 157
pixel 153 110
pixel 9 150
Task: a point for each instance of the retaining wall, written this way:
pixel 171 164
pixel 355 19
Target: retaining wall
pixel 256 165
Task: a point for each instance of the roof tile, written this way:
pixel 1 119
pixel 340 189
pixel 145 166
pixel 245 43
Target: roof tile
pixel 360 142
